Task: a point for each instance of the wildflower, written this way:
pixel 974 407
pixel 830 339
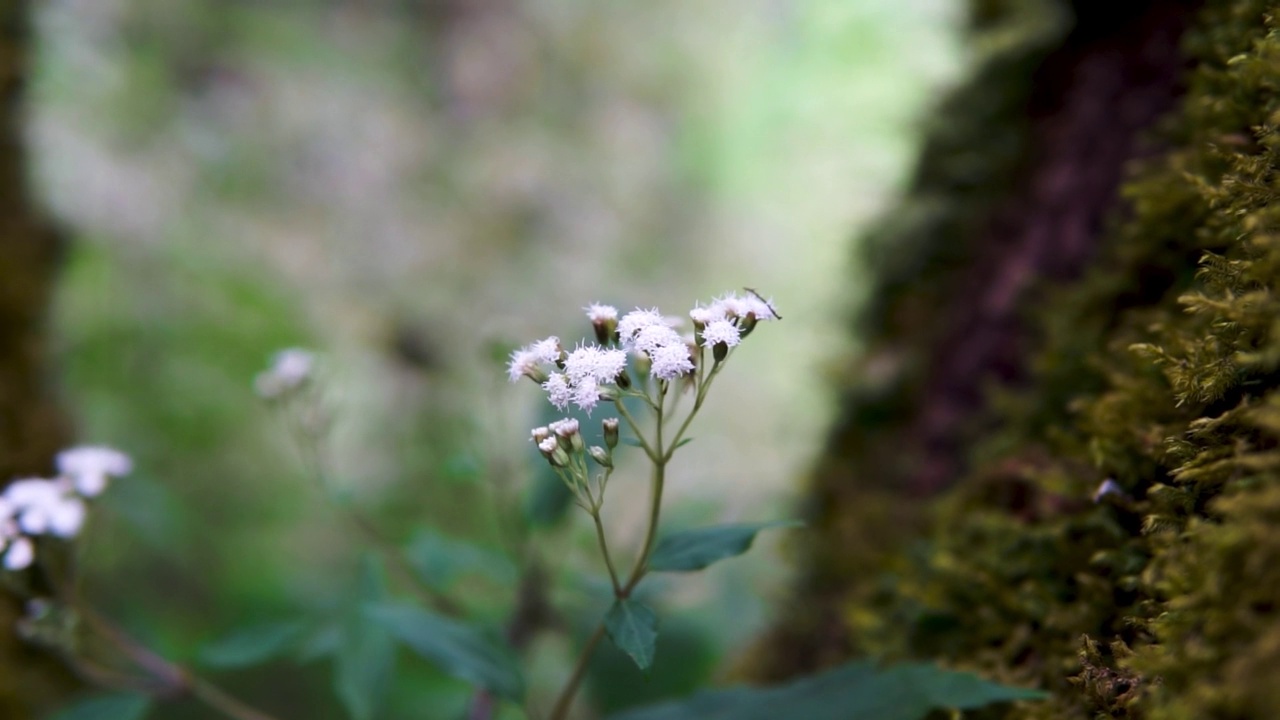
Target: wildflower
pixel 559 391
pixel 637 320
pixel 19 554
pixel 652 338
pixel 721 331
pixel 89 468
pixel 42 506
pixel 586 394
pixel 600 364
pixel 528 360
pixel 610 426
pixel 604 321
pixel 703 316
pixel 290 369
pixel 671 361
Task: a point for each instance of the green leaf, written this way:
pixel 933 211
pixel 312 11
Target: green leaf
pixel 363 668
pixel 633 627
pixel 252 645
pixel 682 443
pixel 122 706
pixel 364 662
pixel 696 549
pixel 458 649
pixel 856 691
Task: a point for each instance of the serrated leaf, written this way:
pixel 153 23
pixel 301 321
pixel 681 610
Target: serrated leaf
pixel 458 649
pixel 633 627
pixel 252 645
pixel 696 549
pixel 122 706
pixel 856 691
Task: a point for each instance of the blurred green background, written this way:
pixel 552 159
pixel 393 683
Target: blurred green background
pixel 413 188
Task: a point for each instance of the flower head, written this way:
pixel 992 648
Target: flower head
pixel 89 468
pixel 671 361
pixel 603 365
pixel 290 369
pixel 598 313
pixel 721 331
pixel 528 360
pixel 40 507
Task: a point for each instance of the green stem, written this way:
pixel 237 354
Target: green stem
pixel 604 550
pixel 635 428
pixel 565 701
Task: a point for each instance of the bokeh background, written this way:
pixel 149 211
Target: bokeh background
pixel 413 188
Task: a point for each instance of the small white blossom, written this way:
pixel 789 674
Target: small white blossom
pixel 559 392
pixel 44 506
pixel 654 337
pixel 290 369
pixel 20 554
pixel 549 445
pixel 598 313
pixel 706 315
pixel 603 365
pixel 671 361
pixel 637 320
pixel 721 331
pixel 565 427
pixel 740 307
pixel 527 361
pixel 586 394
pixel 89 468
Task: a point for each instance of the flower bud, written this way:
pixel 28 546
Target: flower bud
pixel 611 432
pixel 720 351
pixel 567 431
pixel 601 456
pixel 540 434
pixel 554 454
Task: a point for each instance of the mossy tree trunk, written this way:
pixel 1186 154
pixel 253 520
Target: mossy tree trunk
pixel 1082 285
pixel 32 426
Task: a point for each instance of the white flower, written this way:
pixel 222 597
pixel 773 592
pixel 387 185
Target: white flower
pixel 637 320
pixel 671 361
pixel 565 427
pixel 598 313
pixel 89 468
pixel 721 331
pixel 20 553
pixel 559 392
pixel 44 506
pixel 750 305
pixel 600 364
pixel 654 337
pixel 549 445
pixel 528 360
pixel 290 369
pixel 706 315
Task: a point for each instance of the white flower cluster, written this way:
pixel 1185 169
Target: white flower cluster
pixel 290 369
pixel 39 506
pixel 582 377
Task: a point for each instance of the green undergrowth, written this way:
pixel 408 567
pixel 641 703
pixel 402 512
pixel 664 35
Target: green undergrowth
pixel 1158 371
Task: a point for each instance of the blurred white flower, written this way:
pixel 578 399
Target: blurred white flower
pixel 20 553
pixel 601 313
pixel 603 365
pixel 40 506
pixel 89 468
pixel 290 369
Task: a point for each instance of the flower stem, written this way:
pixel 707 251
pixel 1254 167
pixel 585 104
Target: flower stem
pixel 604 550
pixel 565 701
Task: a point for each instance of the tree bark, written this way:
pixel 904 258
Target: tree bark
pixel 32 425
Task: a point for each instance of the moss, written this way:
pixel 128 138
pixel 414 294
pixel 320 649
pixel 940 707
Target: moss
pixel 1160 370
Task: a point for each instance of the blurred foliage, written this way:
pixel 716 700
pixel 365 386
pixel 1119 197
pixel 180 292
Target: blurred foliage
pixel 413 187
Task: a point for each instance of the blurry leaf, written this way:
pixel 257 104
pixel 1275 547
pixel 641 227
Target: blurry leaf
pixel 364 663
pixel 252 645
pixel 633 442
pixel 363 668
pixel 683 442
pixel 689 657
pixel 857 691
pixel 440 560
pixel 633 628
pixel 458 649
pixel 124 706
pixel 696 549
pixel 548 498
pixel 322 641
